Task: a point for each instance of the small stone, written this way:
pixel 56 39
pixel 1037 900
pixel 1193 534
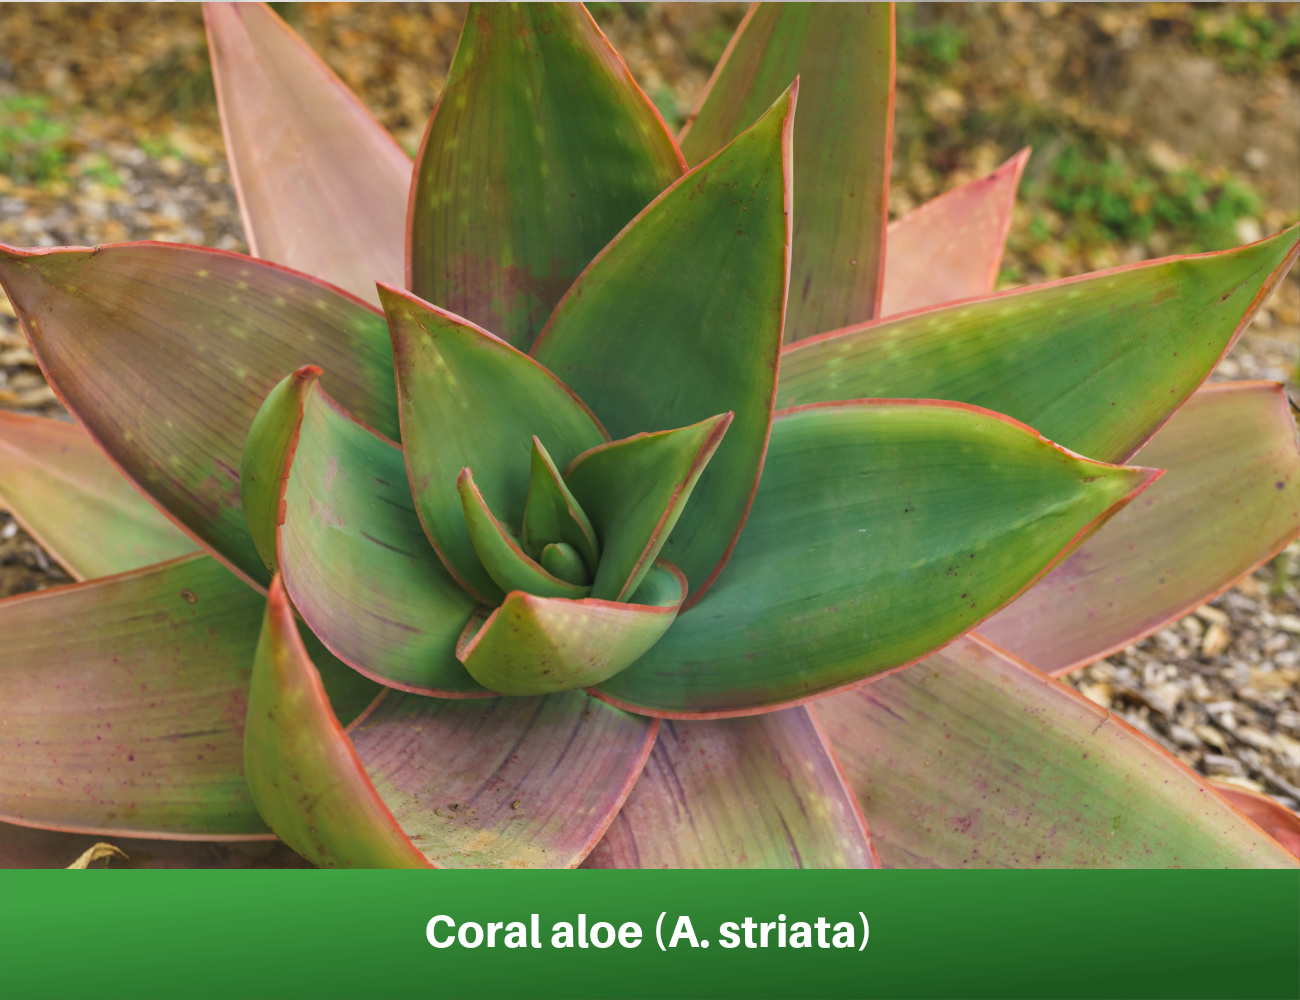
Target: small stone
pixel 1289 623
pixel 1240 781
pixel 1185 738
pixel 1216 640
pixel 1256 738
pixel 1099 693
pixel 1211 615
pixel 1211 736
pixel 1218 765
pixel 1288 720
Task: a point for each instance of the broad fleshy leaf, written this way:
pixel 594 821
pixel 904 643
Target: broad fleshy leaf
pixel 21 847
pixel 468 398
pixel 131 721
pixel 500 554
pixel 951 247
pixel 164 354
pixel 302 770
pixel 551 513
pixel 972 759
pixel 322 186
pixel 1096 363
pixel 1272 817
pixel 634 491
pixel 881 530
pixel 1229 501
pixel 507 782
pixel 356 562
pixel 537 645
pixel 679 319
pixel 843 55
pixel 67 495
pixel 541 149
pixel 761 792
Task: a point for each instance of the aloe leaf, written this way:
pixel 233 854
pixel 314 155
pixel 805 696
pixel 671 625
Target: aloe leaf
pixel 131 722
pixel 564 561
pixel 22 847
pixel 723 794
pixel 679 319
pixel 972 759
pixel 951 247
pixel 1096 363
pixel 538 645
pixel 164 354
pixel 428 782
pixel 635 491
pixel 541 149
pixel 501 555
pixel 551 513
pixel 268 451
pixel 1272 817
pixel 322 186
pixel 843 54
pixel 68 496
pixel 881 531
pixel 1229 501
pixel 356 562
pixel 468 398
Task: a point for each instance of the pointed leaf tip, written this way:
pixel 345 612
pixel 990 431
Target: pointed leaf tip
pixel 268 453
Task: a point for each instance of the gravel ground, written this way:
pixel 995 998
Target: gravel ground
pixel 1220 688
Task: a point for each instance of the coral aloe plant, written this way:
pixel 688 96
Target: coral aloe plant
pixel 582 494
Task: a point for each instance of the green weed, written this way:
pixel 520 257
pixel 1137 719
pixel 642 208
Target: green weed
pixel 33 146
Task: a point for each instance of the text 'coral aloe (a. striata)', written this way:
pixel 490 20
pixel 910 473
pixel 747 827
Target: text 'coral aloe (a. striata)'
pixel 582 494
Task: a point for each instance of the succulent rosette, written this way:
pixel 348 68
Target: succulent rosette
pixel 578 494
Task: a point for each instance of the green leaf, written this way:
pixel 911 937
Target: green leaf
pixel 1096 363
pixel 268 450
pixel 1229 501
pixel 164 354
pixel 541 149
pixel 843 54
pixel 470 399
pixel 679 319
pixel 322 186
pixel 635 490
pixel 880 532
pixel 951 247
pixel 538 645
pixel 501 555
pixel 761 792
pixel 430 782
pixel 972 759
pixel 551 514
pixel 71 499
pixel 131 721
pixel 303 773
pixel 356 562
pixel 562 560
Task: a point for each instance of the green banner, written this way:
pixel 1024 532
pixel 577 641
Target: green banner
pixel 263 934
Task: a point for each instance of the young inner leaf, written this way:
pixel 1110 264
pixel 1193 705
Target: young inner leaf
pixel 562 560
pixel 553 515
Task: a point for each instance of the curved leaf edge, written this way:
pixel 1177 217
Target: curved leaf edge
pixel 387 682
pixel 787 184
pixel 1149 477
pixel 1265 291
pixel 1186 609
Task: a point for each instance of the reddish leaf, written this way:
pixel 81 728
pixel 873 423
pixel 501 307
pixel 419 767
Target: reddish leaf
pixel 1229 501
pixel 973 759
pixel 21 847
pixel 951 247
pixel 68 496
pixel 1272 817
pixel 322 186
pixel 164 354
pixel 761 792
